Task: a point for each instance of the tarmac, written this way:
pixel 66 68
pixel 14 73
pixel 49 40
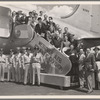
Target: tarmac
pixel 14 89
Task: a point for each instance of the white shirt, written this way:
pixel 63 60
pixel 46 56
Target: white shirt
pixel 17 57
pixel 11 59
pixel 3 58
pixel 37 58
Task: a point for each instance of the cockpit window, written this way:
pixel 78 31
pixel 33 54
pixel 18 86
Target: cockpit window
pixel 4 32
pixel 4 27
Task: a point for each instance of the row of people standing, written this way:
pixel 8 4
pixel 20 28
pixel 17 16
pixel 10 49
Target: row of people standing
pixel 85 64
pixel 21 66
pixel 86 69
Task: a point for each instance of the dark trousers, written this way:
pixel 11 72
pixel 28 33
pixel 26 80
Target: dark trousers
pixel 74 70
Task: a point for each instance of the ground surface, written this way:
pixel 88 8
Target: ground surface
pixel 11 89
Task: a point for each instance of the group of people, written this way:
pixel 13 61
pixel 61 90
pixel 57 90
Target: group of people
pixel 21 66
pixel 45 26
pixel 86 66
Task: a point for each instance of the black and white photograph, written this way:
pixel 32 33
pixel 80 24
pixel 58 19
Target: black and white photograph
pixel 49 48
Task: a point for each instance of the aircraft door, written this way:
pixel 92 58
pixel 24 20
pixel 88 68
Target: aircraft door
pixel 23 34
pixel 5 28
pixel 5 22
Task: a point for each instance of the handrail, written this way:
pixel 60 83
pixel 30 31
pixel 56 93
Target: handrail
pixel 69 15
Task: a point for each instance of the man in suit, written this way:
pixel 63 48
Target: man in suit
pixel 97 75
pixel 89 64
pixel 81 67
pixel 66 33
pixel 51 25
pixel 72 53
pixel 29 18
pixel 97 53
pixel 40 28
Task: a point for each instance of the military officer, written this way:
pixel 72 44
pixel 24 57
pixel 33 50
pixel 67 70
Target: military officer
pixel 30 54
pixel 11 66
pixel 36 64
pixel 17 64
pixel 89 69
pixel 3 64
pixel 26 65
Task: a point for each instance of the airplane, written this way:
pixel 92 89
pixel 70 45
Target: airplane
pixel 87 19
pixel 81 22
pixel 24 35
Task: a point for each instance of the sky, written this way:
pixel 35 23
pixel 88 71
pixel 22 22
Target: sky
pixel 53 10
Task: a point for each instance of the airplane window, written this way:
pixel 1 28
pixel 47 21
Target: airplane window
pixel 4 27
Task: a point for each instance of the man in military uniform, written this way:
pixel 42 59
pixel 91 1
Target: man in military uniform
pixel 17 65
pixel 89 69
pixel 11 66
pixel 3 64
pixel 36 64
pixel 30 54
pixel 26 64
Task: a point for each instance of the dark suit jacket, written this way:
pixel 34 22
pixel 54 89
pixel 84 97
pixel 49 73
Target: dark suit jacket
pixel 41 29
pixel 97 57
pixel 90 62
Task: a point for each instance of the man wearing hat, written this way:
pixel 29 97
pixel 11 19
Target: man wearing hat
pixel 17 64
pixel 3 64
pixel 25 61
pixel 30 54
pixel 11 66
pixel 97 73
pixel 36 64
pixel 22 64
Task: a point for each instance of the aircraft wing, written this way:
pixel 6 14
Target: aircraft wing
pixel 90 42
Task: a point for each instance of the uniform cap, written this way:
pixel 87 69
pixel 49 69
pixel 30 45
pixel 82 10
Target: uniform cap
pixel 36 48
pixel 18 48
pixel 28 48
pixel 1 49
pixel 11 50
pixel 23 48
pixel 96 48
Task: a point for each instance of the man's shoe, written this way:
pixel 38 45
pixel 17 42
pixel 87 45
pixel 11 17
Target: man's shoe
pixel 33 84
pixel 81 87
pixel 90 91
pixel 24 83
